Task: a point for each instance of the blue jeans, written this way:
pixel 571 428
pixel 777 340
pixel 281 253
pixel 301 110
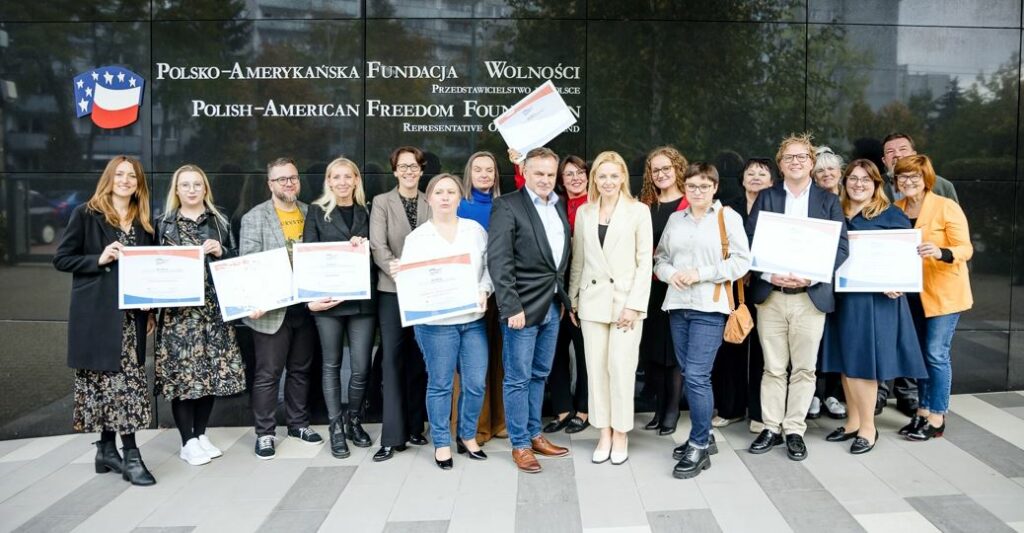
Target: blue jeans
pixel 696 336
pixel 445 348
pixel 934 390
pixel 527 355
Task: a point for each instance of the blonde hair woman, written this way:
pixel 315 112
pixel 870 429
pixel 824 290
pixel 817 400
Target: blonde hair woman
pixel 609 283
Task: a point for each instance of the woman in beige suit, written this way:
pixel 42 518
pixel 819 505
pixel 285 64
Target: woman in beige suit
pixel 609 285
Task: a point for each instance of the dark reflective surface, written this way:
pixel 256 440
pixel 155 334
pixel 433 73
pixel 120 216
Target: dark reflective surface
pixel 738 10
pixel 723 81
pixel 988 13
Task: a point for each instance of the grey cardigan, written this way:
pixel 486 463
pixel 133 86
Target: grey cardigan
pixel 261 231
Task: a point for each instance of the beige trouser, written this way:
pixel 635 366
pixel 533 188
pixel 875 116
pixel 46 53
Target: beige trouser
pixel 790 329
pixel 612 356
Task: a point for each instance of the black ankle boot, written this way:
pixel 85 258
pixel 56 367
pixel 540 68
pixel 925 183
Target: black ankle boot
pixel 355 432
pixel 134 470
pixel 107 458
pixel 339 448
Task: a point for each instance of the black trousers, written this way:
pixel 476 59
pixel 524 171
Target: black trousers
pixel 666 383
pixel 291 348
pixel 359 330
pixel 563 399
pixel 736 376
pixel 404 376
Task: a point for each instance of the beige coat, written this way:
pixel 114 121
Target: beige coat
pixel 388 229
pixel 605 279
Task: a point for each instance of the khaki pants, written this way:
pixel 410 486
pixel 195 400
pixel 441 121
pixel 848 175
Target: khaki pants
pixel 612 356
pixel 790 329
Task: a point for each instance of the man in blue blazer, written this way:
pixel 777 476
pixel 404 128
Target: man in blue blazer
pixel 791 310
pixel 527 254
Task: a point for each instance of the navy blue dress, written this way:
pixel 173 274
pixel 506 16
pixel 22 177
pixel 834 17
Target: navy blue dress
pixel 871 336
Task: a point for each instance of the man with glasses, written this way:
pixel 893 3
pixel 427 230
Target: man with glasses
pixel 283 338
pixel 791 310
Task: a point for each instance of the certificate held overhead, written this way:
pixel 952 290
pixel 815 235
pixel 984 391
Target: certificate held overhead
pixel 535 120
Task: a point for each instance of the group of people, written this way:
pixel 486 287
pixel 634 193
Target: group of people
pixel 571 257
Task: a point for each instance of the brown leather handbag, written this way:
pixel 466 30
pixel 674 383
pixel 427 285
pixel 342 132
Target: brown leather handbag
pixel 739 324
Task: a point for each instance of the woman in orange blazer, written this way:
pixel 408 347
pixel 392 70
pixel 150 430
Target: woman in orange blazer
pixel 609 284
pixel 945 249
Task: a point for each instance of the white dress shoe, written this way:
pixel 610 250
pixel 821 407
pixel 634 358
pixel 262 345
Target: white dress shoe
pixel 208 447
pixel 193 454
pixel 601 456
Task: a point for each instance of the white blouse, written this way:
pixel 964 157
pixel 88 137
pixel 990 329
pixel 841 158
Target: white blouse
pixel 425 242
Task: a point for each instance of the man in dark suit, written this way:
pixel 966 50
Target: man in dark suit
pixel 791 310
pixel 527 254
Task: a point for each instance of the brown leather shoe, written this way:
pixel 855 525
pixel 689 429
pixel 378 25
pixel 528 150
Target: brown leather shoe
pixel 525 460
pixel 546 448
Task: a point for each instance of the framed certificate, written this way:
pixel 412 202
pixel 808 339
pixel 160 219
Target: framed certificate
pixel 261 281
pixel 437 288
pixel 535 120
pixel 804 247
pixel 882 261
pixel 336 270
pixel 160 276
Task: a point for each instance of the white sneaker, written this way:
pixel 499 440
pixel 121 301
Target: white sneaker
pixel 835 408
pixel 208 447
pixel 193 454
pixel 815 410
pixel 720 422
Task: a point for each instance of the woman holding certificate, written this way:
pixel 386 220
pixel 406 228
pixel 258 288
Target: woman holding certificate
pixel 870 337
pixel 456 342
pixel 340 215
pixel 945 249
pixel 662 192
pixel 609 282
pixel 393 216
pixel 690 259
pixel 197 356
pixel 107 346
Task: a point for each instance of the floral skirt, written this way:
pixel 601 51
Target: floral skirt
pixel 114 401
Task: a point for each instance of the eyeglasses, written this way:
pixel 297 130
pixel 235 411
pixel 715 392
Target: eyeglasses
pixel 800 158
pixel 407 168
pixel 913 178
pixel 662 170
pixel 191 186
pixel 574 173
pixel 704 189
pixel 863 181
pixel 284 179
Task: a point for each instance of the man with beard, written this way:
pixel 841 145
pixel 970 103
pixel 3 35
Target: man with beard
pixel 283 338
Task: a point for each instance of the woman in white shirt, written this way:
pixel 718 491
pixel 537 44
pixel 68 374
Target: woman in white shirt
pixel 458 342
pixel 689 259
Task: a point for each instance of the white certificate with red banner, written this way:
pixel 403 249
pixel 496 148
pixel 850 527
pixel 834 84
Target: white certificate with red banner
pixel 803 247
pixel 335 270
pixel 160 276
pixel 882 261
pixel 437 288
pixel 253 282
pixel 535 120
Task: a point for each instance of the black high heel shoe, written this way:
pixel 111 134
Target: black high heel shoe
pixel 927 432
pixel 478 455
pixel 840 435
pixel 654 424
pixel 861 445
pixel 916 423
pixel 443 464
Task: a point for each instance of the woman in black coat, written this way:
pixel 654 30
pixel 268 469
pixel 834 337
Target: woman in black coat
pixel 107 346
pixel 340 215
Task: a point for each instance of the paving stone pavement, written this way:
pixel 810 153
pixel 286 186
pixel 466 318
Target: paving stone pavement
pixel 971 480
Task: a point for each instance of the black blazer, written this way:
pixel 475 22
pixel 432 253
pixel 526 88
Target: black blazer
pixel 210 227
pixel 319 230
pixel 821 204
pixel 520 261
pixel 94 321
